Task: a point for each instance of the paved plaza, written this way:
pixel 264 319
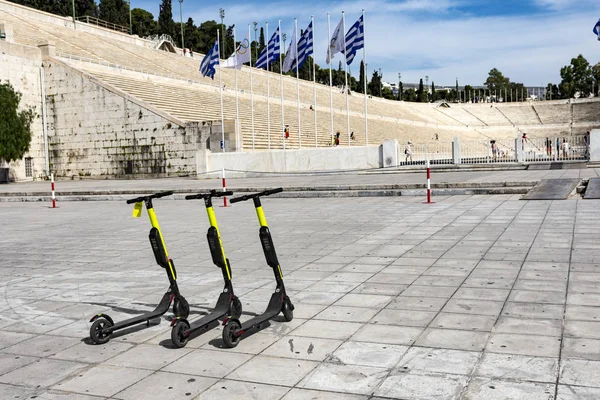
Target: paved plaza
pixel 473 297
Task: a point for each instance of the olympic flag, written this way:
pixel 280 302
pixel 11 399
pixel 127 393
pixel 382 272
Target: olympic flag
pixel 243 55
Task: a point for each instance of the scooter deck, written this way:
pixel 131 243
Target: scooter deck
pixel 162 308
pixel 220 310
pixel 273 309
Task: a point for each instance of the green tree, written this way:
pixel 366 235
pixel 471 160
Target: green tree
pixel 261 40
pixel 468 92
pixel 410 95
pixel 15 125
pixel 143 23
pixel 400 90
pixel 497 81
pixel 115 11
pixel 552 92
pixel 433 93
pixel 577 78
pixel 166 25
pixel 361 78
pixel 375 84
pixel 86 7
pixel 421 96
pixel 456 93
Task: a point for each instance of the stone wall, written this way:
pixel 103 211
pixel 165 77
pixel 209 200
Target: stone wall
pixel 21 66
pixel 98 132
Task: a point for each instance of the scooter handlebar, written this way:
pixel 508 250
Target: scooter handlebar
pixel 213 193
pixel 252 196
pixel 152 196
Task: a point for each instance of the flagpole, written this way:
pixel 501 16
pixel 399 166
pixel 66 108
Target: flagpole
pixel 297 82
pixel 281 87
pixel 365 80
pixel 221 96
pixel 268 95
pixel 237 106
pixel 312 18
pixel 330 77
pixel 346 77
pixel 251 92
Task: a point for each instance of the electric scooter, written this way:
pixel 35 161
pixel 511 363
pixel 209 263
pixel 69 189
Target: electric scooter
pixel 103 325
pixel 280 302
pixel 228 303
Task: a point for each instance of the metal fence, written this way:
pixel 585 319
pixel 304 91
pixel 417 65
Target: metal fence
pixel 557 148
pixel 103 24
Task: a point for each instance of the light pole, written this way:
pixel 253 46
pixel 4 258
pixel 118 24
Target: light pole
pixel 255 41
pixel 222 15
pixel 180 22
pixel 73 14
pixel 130 21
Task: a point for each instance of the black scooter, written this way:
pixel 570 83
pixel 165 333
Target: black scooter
pixel 280 302
pixel 103 325
pixel 227 304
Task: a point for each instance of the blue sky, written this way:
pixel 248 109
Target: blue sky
pixel 528 40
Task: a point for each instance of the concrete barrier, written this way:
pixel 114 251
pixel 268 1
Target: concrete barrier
pixel 281 161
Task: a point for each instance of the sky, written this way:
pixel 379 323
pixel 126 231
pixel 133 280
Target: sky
pixel 527 40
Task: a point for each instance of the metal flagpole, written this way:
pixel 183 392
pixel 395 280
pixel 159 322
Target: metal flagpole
pixel 251 92
pixel 237 105
pixel 330 78
pixel 312 18
pixel 268 93
pixel 281 87
pixel 297 83
pixel 221 95
pixel 365 80
pixel 346 77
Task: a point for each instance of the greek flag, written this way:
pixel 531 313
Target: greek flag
pixel 597 29
pixel 355 40
pixel 207 66
pixel 274 51
pixel 305 47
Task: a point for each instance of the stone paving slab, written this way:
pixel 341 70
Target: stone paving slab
pixel 474 297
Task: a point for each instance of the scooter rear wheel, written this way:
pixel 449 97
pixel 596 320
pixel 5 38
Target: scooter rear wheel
pixel 181 308
pixel 178 336
pixel 96 334
pixel 235 308
pixel 229 334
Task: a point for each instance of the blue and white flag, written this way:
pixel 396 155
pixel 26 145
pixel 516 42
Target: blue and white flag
pixel 355 39
pixel 273 49
pixel 597 29
pixel 305 47
pixel 207 66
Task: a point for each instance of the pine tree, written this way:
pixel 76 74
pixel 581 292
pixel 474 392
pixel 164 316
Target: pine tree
pixel 420 92
pixel 166 25
pixel 400 90
pixel 433 95
pixel 457 92
pixel 261 40
pixel 115 11
pixel 361 78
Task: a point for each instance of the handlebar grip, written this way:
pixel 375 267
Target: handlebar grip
pixel 272 191
pixel 162 194
pixel 193 196
pixel 220 194
pixel 136 200
pixel 241 198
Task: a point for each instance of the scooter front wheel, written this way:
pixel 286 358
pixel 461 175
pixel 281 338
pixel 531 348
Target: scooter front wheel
pixel 96 331
pixel 229 334
pixel 288 310
pixel 181 308
pixel 235 308
pixel 178 334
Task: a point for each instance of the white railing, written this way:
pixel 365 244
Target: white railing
pixel 555 148
pixel 157 40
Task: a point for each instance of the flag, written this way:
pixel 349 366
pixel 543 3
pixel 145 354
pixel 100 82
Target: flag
pixel 290 55
pixel 274 51
pixel 207 66
pixel 355 39
pixel 336 43
pixel 305 47
pixel 243 55
pixel 597 29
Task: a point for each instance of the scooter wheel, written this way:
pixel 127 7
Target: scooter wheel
pixel 178 335
pixel 235 308
pixel 181 308
pixel 287 310
pixel 96 334
pixel 229 334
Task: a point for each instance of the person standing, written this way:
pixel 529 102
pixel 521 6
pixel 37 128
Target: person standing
pixel 565 148
pixel 548 147
pixel 408 151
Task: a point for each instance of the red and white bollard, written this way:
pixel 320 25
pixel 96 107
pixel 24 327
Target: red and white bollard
pixel 428 184
pixel 224 187
pixel 53 196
